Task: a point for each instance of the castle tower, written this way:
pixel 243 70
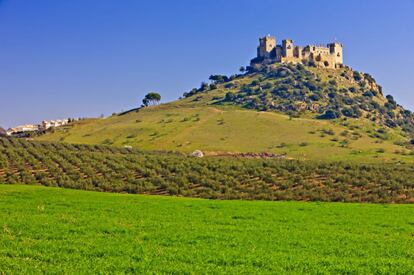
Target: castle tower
pixel 266 46
pixel 287 46
pixel 336 49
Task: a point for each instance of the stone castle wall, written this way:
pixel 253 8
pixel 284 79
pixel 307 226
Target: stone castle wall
pixel 329 56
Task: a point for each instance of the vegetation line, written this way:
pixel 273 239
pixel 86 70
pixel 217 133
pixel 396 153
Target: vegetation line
pixel 111 169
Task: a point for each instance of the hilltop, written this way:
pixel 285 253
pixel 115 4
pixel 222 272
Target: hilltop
pixel 303 102
pixel 304 111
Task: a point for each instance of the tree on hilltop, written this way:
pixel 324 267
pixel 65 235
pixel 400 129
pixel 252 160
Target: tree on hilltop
pixel 216 79
pixel 203 87
pixel 151 99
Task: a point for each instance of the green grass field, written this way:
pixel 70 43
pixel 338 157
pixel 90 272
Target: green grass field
pixel 66 231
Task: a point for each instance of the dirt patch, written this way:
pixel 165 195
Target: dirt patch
pixel 264 155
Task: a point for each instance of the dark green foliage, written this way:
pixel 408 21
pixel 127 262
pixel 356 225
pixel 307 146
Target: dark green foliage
pixel 229 96
pixel 229 85
pixel 111 169
pixel 333 82
pixel 315 97
pixel 213 86
pixel 151 98
pixel 292 88
pixel 330 114
pixel 351 112
pixel 295 89
pixel 218 78
pixel 368 94
pixel 357 76
pixel 190 93
pixel 267 85
pixel 203 87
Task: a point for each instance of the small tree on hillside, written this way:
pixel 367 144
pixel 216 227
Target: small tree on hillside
pixel 230 96
pixel 203 87
pixel 216 79
pixel 151 99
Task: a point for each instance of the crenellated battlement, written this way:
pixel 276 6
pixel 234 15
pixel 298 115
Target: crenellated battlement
pixel 329 56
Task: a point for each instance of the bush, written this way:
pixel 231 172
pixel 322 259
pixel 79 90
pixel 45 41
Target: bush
pixel 108 141
pixel 357 76
pixel 351 112
pixel 331 114
pixel 315 97
pixel 230 96
pixel 333 82
pixel 352 89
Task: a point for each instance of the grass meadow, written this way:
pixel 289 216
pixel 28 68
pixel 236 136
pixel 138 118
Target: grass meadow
pixel 230 129
pixel 57 230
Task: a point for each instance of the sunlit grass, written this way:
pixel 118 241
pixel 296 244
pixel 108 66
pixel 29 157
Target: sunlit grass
pixel 65 231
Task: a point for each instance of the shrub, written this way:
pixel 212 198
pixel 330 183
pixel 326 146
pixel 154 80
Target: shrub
pixel 108 141
pixel 333 82
pixel 357 76
pixel 331 114
pixel 352 89
pixel 314 97
pixel 230 96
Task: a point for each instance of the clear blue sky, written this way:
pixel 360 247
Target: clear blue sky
pixel 81 58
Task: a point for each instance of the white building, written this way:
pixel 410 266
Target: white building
pixel 46 124
pixel 22 129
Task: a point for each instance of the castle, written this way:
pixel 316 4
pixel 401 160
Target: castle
pixel 268 51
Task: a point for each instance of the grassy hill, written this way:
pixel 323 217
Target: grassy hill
pixel 306 112
pixel 54 230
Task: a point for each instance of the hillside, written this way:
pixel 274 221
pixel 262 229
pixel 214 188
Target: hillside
pixel 304 111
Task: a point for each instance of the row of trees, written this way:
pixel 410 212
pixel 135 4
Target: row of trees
pixel 106 168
